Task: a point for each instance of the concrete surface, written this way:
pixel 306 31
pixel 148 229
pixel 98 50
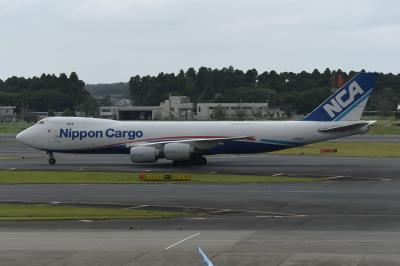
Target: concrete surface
pixel 350 221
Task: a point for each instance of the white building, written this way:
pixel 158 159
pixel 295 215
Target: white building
pixel 236 111
pixel 175 108
pixel 7 113
pixel 180 108
pixel 108 112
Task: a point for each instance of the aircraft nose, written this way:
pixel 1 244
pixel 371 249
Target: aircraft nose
pixel 22 137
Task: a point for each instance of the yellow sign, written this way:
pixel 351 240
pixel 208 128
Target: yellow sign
pixel 164 177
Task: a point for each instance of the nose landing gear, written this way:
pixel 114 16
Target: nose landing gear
pixel 52 160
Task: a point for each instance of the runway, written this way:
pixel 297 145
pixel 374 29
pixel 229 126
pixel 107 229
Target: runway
pixel 15 156
pixel 343 221
pixel 326 223
pixel 352 204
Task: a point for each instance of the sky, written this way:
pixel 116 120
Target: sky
pixel 108 41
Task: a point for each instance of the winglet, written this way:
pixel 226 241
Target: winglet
pixel 348 102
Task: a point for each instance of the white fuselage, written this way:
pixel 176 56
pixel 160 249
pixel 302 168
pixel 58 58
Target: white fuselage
pixel 91 135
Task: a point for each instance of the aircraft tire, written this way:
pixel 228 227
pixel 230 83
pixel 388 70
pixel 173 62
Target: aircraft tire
pixel 52 161
pixel 199 160
pixel 203 160
pixel 178 163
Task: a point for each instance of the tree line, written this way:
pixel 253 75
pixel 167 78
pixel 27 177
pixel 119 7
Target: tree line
pixel 106 90
pixel 47 93
pixel 292 92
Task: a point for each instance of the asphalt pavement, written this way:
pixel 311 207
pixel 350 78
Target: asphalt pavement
pixel 341 221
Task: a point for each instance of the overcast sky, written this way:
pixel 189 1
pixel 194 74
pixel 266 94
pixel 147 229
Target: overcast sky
pixel 111 40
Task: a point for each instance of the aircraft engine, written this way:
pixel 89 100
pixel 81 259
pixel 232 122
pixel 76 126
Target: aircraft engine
pixel 178 151
pixel 144 154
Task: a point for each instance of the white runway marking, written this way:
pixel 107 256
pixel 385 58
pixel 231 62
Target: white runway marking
pixel 281 216
pixel 135 207
pixel 187 238
pixel 334 177
pixel 220 211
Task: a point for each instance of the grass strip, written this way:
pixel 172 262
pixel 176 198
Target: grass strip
pixel 26 212
pixel 348 148
pixel 14 127
pixel 384 127
pixel 83 177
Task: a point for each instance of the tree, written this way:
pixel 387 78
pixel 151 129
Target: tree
pixel 257 113
pixel 89 107
pixel 47 92
pixel 73 77
pixel 68 112
pixel 251 76
pixel 387 101
pixel 293 92
pixel 240 113
pixel 218 113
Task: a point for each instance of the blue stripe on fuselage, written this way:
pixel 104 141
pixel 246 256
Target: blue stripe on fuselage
pixel 243 147
pixel 282 142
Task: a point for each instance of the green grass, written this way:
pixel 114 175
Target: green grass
pixel 24 212
pixel 349 148
pixel 70 177
pixel 388 127
pixel 8 142
pixel 14 127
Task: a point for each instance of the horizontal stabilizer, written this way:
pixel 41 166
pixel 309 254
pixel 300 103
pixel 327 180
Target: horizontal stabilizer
pixel 345 128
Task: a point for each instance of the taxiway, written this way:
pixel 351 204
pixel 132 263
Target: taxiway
pixel 342 221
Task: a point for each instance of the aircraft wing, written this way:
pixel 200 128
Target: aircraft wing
pixel 194 141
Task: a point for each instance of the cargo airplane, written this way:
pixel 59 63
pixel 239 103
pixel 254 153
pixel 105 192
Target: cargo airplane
pixel 187 142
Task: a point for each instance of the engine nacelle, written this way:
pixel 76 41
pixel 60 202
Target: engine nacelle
pixel 144 154
pixel 178 151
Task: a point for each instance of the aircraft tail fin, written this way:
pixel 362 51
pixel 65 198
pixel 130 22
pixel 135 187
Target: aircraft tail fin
pixel 348 102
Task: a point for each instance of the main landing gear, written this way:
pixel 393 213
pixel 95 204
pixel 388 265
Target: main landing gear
pixel 52 160
pixel 195 160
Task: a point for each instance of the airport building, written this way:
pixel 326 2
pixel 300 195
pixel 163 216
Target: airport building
pixel 175 108
pixel 180 108
pixel 7 113
pixel 231 111
pixel 127 112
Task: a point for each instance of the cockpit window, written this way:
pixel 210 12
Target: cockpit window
pixel 41 122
